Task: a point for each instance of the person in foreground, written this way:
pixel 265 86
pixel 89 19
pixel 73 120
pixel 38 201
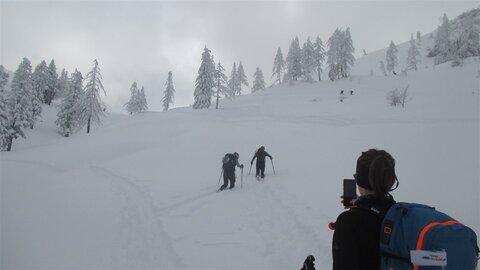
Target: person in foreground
pixel 356 237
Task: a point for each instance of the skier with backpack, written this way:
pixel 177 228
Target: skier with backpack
pixel 230 161
pixel 260 155
pixel 378 233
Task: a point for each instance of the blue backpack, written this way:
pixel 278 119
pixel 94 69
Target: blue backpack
pixel 418 237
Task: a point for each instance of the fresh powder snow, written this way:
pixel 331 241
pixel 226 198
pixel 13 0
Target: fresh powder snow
pixel 139 191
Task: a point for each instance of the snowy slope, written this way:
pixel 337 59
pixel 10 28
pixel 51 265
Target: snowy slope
pixel 139 191
pixel 365 64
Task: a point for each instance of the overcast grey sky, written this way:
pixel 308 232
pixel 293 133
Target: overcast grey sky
pixel 143 40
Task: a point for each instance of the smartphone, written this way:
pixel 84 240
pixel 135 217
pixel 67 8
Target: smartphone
pixel 349 191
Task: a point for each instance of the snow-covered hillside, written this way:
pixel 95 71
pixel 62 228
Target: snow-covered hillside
pixel 365 64
pixel 140 191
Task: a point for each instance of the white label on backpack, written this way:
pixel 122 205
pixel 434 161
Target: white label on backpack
pixel 428 258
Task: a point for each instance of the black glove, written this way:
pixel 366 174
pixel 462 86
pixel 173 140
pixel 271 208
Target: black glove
pixel 241 166
pixel 251 163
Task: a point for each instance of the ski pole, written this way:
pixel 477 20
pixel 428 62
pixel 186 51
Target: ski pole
pixel 241 183
pixel 273 167
pixel 220 177
pixel 249 171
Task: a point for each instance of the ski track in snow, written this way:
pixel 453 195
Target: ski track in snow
pixel 291 229
pixel 143 237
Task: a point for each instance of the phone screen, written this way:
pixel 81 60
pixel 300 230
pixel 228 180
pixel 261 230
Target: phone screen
pixel 349 191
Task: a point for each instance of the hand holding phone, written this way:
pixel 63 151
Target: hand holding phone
pixel 349 192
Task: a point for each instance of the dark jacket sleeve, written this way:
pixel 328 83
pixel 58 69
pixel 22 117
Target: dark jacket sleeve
pixel 345 244
pixel 268 155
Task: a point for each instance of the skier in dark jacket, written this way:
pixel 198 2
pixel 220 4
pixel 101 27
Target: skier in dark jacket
pixel 260 155
pixel 309 263
pixel 356 238
pixel 230 161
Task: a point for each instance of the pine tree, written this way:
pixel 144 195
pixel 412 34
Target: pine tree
pixel 142 106
pixel 132 106
pixel 66 117
pixel 308 60
pixel 204 82
pixel 419 40
pixel 278 66
pixel 442 48
pixel 20 102
pixel 334 55
pixel 340 57
pixel 40 80
pixel 234 81
pixel 391 57
pixel 169 93
pixel 221 83
pixel 49 95
pixel 319 53
pixel 294 62
pixel 413 55
pixel 348 49
pixel 90 106
pixel 62 84
pixel 6 130
pixel 242 78
pixel 467 42
pixel 258 81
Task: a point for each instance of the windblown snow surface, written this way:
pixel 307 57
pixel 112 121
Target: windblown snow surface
pixel 140 191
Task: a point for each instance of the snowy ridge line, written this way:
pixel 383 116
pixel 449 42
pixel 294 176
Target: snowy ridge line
pixel 140 208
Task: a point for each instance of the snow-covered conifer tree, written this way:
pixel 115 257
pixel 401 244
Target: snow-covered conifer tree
pixel 442 48
pixel 234 81
pixel 308 60
pixel 413 55
pixel 66 120
pixel 467 42
pixel 40 81
pixel 319 55
pixel 340 57
pixel 49 95
pixel 242 78
pixel 221 83
pixel 143 106
pixel 132 106
pixel 258 81
pixel 20 102
pixel 6 130
pixel 382 68
pixel 204 82
pixel 62 84
pixel 278 66
pixel 348 59
pixel 294 60
pixel 169 93
pixel 90 107
pixel 419 40
pixel 391 57
pixel 333 55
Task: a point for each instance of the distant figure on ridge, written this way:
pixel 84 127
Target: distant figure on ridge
pixel 260 155
pixel 230 161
